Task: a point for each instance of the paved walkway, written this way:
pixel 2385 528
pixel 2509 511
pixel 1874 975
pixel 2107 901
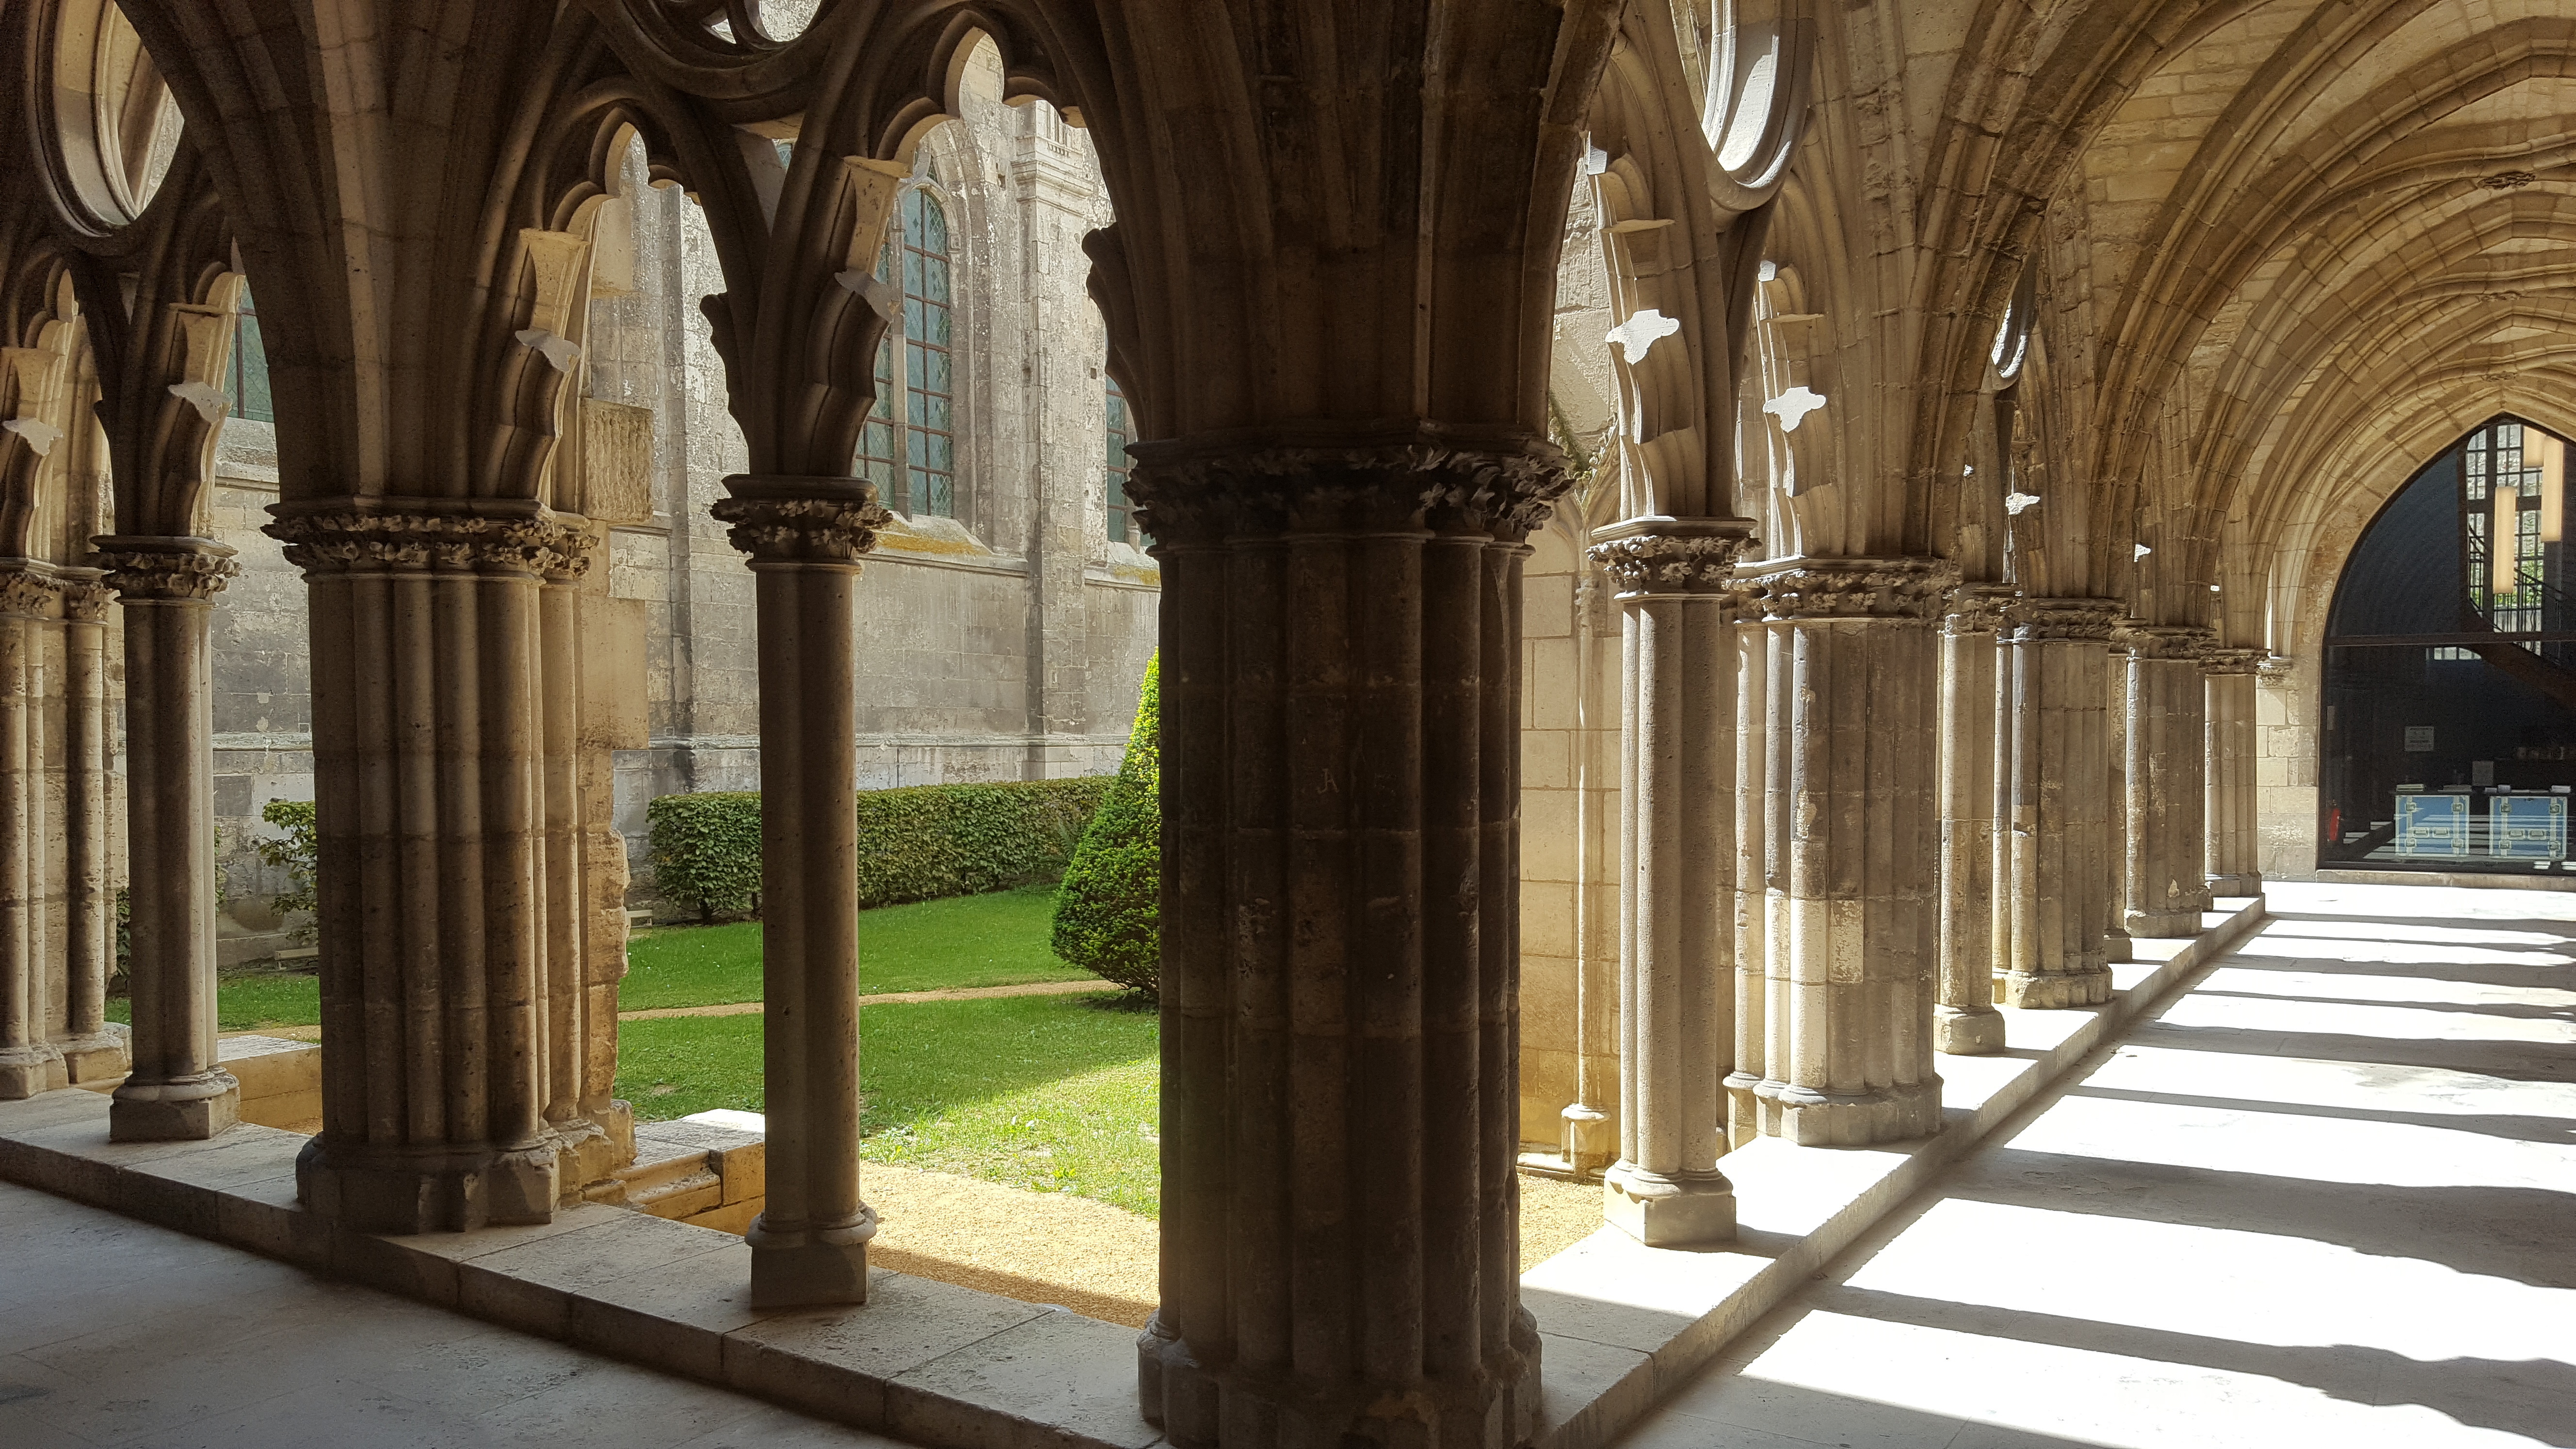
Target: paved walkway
pixel 116 1332
pixel 2326 1197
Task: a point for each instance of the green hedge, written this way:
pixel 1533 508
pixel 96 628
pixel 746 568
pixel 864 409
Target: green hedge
pixel 1108 914
pixel 915 844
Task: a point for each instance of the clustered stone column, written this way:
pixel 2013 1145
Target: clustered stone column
pixel 805 537
pixel 1753 878
pixel 1965 1021
pixel 30 1062
pixel 178 1088
pixel 2167 887
pixel 1676 582
pixel 2058 824
pixel 2232 866
pixel 1851 753
pixel 428 746
pixel 1341 690
pixel 92 1050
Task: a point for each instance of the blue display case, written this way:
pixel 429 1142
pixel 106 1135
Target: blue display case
pixel 2527 827
pixel 2433 826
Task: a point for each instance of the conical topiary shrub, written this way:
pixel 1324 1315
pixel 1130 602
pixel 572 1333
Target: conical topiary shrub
pixel 1108 913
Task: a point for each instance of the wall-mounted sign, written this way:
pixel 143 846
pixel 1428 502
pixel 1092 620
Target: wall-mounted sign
pixel 2419 739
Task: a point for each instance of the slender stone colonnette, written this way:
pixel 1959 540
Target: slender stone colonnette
pixel 167 586
pixel 1677 597
pixel 2233 866
pixel 805 538
pixel 1965 1021
pixel 2167 885
pixel 2059 793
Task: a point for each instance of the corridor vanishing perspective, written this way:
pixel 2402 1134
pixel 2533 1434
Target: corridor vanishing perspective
pixel 2322 1197
pixel 1732 588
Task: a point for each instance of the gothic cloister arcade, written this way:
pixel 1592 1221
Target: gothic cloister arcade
pixel 1742 585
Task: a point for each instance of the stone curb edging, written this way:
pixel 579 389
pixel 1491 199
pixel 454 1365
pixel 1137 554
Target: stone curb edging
pixel 923 1361
pixel 1625 1326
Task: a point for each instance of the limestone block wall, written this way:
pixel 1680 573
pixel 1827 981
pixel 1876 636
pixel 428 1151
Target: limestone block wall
pixel 1569 840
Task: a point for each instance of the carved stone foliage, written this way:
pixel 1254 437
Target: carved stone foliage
pixel 25 594
pixel 2164 641
pixel 1666 556
pixel 194 570
pixel 1199 493
pixel 2041 620
pixel 2222 660
pixel 808 521
pixel 347 542
pixel 1976 609
pixel 1912 588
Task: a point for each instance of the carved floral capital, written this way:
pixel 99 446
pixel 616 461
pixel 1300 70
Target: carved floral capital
pixel 178 570
pixel 27 591
pixel 1205 490
pixel 1905 588
pixel 2164 641
pixel 1975 609
pixel 363 542
pixel 2041 621
pixel 1673 556
pixel 811 521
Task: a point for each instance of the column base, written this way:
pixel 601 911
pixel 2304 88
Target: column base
pixel 1967 1032
pixel 1176 1395
pixel 1743 1108
pixel 2236 885
pixel 810 1266
pixel 2115 947
pixel 2057 990
pixel 2183 920
pixel 593 1148
pixel 1696 1210
pixel 1899 1113
pixel 426 1190
pixel 29 1071
pixel 188 1110
pixel 99 1057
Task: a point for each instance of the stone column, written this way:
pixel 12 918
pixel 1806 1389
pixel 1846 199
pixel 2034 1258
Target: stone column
pixel 1340 637
pixel 805 537
pixel 2059 822
pixel 1965 1022
pixel 29 1061
pixel 429 798
pixel 2232 866
pixel 167 586
pixel 92 1051
pixel 1854 696
pixel 1753 880
pixel 1676 873
pixel 2166 885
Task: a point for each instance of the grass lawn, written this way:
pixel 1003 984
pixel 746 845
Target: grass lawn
pixel 1048 1093
pixel 989 940
pixel 249 998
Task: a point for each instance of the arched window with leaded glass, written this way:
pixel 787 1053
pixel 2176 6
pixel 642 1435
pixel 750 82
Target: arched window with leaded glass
pixel 246 378
pixel 2448 722
pixel 1122 513
pixel 909 449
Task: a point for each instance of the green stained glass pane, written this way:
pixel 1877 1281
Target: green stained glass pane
pixel 250 393
pixel 937 414
pixel 934 374
pixel 917 359
pixel 912 317
pixel 912 217
pixel 934 278
pixel 934 227
pixel 917 414
pixel 942 453
pixel 912 273
pixel 940 495
pixel 916 449
pixel 935 332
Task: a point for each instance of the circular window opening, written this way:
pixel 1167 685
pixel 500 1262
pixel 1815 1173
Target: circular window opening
pixel 115 124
